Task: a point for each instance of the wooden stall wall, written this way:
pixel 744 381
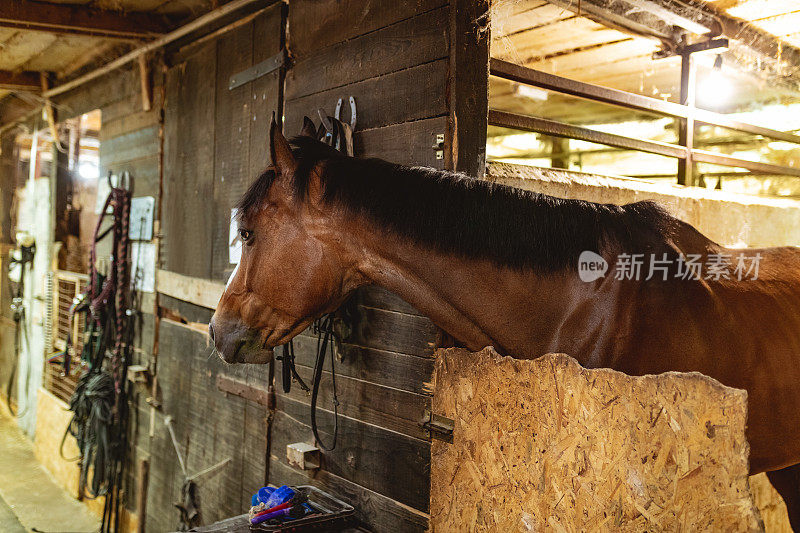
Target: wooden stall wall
pixel 8 178
pixel 129 141
pixel 215 144
pixel 394 62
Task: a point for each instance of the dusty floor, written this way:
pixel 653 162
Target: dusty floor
pixel 30 500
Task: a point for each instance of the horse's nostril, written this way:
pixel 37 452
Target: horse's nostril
pixel 211 331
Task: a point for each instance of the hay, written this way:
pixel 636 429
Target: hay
pixel 546 445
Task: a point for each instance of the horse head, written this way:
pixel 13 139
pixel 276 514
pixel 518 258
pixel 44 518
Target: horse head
pixel 294 266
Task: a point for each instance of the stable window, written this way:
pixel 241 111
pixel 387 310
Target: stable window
pixel 596 88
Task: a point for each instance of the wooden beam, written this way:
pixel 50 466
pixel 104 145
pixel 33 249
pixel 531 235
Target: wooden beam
pixel 202 292
pixel 468 102
pixel 80 20
pixel 20 81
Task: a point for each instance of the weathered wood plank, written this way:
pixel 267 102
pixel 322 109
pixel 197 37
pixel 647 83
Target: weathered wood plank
pixel 195 290
pixel 231 139
pixel 70 19
pixel 128 123
pixel 316 25
pixel 386 462
pixel 409 143
pixel 267 91
pixel 209 424
pixel 390 330
pixel 382 367
pixel 189 160
pixel 391 99
pixel 130 146
pixel 387 407
pixel 411 42
pixel 373 509
pixel 468 86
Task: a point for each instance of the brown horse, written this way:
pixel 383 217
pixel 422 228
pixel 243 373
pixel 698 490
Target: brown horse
pixel 493 265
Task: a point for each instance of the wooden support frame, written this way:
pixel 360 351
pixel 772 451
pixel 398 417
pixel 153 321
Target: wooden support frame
pixel 20 81
pixel 468 94
pixel 80 20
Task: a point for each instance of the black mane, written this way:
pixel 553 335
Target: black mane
pixel 456 214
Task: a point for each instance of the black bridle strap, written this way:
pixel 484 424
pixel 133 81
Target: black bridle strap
pixel 323 342
pixel 288 369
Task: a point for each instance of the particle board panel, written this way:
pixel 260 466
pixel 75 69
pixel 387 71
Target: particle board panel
pixel 316 25
pixel 413 41
pixel 189 163
pixel 547 444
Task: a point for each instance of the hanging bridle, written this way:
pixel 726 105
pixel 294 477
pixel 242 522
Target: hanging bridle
pixel 339 135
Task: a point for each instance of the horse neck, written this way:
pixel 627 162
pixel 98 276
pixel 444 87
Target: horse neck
pixel 518 311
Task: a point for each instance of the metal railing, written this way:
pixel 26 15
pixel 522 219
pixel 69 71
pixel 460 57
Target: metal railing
pixel 551 82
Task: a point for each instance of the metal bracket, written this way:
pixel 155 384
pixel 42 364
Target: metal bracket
pixel 258 70
pixel 439 146
pixel 437 426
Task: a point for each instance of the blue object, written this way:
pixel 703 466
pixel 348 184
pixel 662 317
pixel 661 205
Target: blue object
pixel 262 495
pixel 280 495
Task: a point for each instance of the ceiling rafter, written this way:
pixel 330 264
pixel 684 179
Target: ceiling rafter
pixel 20 81
pixel 81 20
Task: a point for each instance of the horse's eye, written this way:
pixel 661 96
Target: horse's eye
pixel 245 234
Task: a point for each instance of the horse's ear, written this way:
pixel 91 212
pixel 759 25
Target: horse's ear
pixel 308 128
pixel 280 151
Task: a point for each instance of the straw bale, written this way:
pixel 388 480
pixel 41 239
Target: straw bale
pixel 547 445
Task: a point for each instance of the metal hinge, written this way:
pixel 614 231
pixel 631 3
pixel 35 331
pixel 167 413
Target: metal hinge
pixel 437 426
pixel 258 70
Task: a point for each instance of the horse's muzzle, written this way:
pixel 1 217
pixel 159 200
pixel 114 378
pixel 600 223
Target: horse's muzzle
pixel 236 343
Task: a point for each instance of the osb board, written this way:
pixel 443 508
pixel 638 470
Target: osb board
pixel 546 445
pixel 770 505
pixel 52 418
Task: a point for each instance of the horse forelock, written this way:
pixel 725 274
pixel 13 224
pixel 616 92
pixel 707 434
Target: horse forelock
pixel 457 214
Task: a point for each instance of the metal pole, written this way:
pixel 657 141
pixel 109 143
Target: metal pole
pixel 686 125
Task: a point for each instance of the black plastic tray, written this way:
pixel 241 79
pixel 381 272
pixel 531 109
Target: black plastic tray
pixel 336 514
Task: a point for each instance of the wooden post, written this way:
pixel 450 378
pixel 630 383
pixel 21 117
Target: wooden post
pixel 141 496
pixel 144 79
pixel 559 152
pixel 686 126
pixel 468 86
pixel 8 183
